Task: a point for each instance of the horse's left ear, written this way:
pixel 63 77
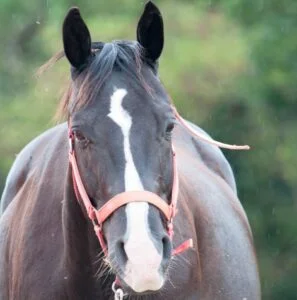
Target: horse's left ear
pixel 76 39
pixel 150 31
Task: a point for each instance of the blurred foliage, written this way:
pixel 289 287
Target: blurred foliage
pixel 230 66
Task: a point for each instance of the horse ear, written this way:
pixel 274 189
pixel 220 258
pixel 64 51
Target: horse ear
pixel 150 31
pixel 76 38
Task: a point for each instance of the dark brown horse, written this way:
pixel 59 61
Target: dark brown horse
pixel 123 128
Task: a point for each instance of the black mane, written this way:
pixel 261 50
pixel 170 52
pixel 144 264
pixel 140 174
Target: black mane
pixel 124 56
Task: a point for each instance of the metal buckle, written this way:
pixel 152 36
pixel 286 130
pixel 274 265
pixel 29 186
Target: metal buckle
pixel 118 293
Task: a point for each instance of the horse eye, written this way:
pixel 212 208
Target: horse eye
pixel 170 127
pixel 79 136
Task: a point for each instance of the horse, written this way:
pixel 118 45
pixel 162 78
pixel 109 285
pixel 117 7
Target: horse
pixel 96 207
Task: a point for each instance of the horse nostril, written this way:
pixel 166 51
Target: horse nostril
pixel 166 247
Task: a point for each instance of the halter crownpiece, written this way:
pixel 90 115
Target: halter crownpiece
pixel 205 138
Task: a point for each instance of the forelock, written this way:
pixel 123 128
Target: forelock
pixel 118 55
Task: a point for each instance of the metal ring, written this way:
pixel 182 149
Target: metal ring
pixel 118 293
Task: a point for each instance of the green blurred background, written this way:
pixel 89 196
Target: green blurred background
pixel 230 66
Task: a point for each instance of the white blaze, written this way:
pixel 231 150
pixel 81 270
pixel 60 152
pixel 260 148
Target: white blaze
pixel 142 268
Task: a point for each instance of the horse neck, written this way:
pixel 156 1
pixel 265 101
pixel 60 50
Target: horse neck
pixel 82 253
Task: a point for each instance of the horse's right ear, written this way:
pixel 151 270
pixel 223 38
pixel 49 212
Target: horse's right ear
pixel 76 39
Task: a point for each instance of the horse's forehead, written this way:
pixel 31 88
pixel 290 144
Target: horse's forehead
pixel 125 100
pixel 119 93
pixel 116 112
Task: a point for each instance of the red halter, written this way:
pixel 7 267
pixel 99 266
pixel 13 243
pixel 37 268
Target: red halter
pixel 98 216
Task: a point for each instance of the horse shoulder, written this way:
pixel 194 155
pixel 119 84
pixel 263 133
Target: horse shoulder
pixel 31 218
pixel 4 270
pixel 24 164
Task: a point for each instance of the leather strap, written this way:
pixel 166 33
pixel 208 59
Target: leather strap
pixel 133 196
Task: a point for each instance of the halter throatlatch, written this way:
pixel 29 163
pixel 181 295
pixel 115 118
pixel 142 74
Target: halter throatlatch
pixel 205 138
pixel 99 216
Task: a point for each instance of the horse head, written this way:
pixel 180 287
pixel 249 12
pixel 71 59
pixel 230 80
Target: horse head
pixel 121 120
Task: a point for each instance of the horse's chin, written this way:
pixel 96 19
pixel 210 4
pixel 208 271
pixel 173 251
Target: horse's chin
pixel 142 287
pixel 147 286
